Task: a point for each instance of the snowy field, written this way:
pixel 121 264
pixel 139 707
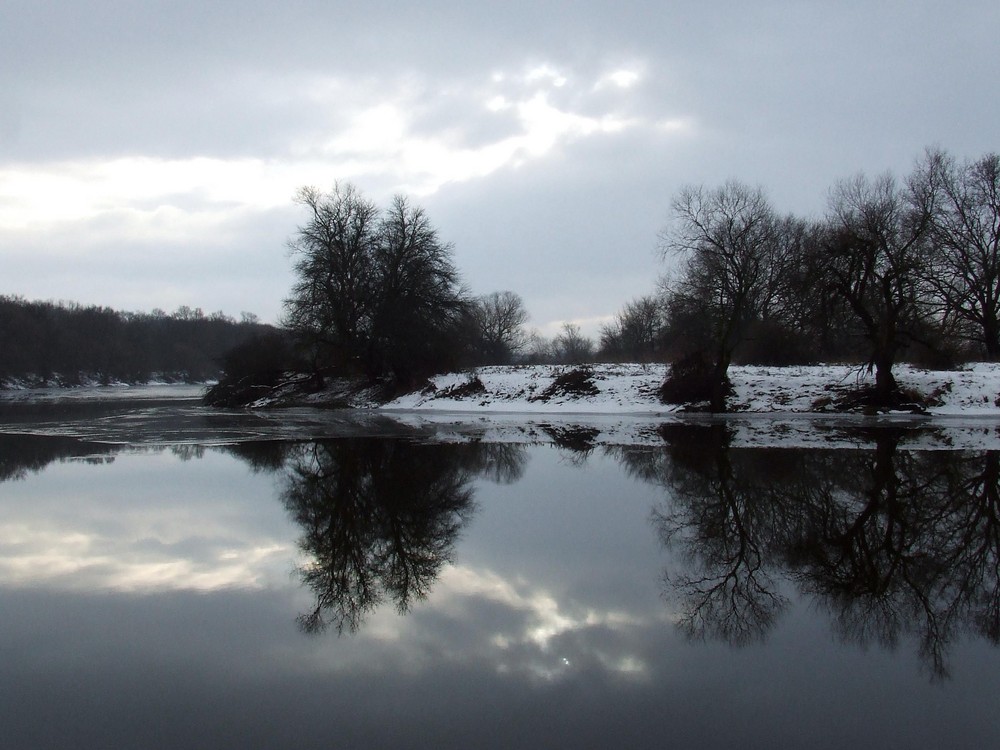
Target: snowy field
pixel 631 389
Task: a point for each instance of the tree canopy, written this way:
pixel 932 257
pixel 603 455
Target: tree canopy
pixel 377 292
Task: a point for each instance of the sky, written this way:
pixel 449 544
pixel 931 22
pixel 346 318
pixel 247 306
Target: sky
pixel 150 151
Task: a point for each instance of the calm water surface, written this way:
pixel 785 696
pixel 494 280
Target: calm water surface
pixel 392 591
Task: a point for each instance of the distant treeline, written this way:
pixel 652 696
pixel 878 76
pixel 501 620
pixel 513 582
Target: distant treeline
pixel 68 344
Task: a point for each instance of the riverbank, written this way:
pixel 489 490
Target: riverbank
pixel 604 405
pixel 632 389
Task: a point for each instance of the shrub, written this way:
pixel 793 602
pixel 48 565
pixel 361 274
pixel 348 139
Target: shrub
pixel 575 383
pixel 472 387
pixel 691 379
pixel 252 369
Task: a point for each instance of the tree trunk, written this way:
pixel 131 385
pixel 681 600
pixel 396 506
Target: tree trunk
pixel 991 338
pixel 885 381
pixel 720 384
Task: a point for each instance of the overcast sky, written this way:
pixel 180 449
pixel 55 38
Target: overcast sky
pixel 149 151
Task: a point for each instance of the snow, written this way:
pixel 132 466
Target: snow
pixel 632 389
pixel 772 407
pixel 624 389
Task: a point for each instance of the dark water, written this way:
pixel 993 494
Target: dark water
pixel 393 591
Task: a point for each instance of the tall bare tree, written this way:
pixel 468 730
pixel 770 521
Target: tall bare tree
pixel 965 234
pixel 418 306
pixel 726 239
pixel 376 291
pixel 329 305
pixel 635 331
pixel 876 259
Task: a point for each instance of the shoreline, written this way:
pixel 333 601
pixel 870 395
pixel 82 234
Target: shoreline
pixel 631 389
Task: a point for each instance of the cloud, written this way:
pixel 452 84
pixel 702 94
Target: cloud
pixel 178 199
pixel 545 140
pixel 623 78
pixel 419 138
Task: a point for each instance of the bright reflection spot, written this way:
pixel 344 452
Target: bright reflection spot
pixel 631 665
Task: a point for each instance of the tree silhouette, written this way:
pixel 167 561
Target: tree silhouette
pixel 891 543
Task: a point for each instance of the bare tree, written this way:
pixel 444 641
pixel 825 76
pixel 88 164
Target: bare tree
pixel 805 319
pixel 538 349
pixel 500 319
pixel 328 308
pixel 571 346
pixel 876 258
pixel 376 291
pixel 965 234
pixel 635 331
pixel 726 239
pixel 418 306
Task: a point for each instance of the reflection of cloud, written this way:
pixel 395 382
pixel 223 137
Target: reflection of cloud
pixel 526 629
pixel 36 556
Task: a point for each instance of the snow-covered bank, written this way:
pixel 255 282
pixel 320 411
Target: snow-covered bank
pixel 614 405
pixel 772 407
pixel 631 389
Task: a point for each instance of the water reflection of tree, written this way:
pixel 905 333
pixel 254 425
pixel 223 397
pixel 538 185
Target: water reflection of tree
pixel 891 542
pixel 261 456
pixel 23 454
pixel 380 518
pixel 728 518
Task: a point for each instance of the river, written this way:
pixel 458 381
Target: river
pixel 179 577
